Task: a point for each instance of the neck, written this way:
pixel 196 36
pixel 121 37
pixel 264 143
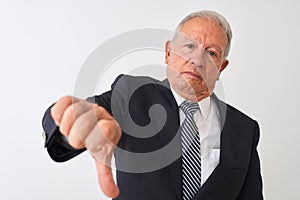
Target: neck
pixel 191 96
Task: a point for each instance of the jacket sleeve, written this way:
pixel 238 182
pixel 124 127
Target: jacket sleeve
pixel 252 188
pixel 57 146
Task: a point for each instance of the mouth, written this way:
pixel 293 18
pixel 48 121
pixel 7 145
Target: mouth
pixel 193 75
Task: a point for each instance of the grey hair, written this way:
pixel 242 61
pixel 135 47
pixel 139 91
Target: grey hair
pixel 211 15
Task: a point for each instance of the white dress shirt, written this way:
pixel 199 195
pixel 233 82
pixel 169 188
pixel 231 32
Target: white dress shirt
pixel 209 128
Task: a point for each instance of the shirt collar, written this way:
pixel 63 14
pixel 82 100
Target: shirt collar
pixel 204 104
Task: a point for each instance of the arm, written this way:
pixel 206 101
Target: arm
pixel 252 188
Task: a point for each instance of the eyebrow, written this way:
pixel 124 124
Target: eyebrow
pixel 184 38
pixel 216 47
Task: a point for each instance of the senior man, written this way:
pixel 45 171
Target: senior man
pixel 210 147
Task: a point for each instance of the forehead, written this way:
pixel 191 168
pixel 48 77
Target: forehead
pixel 206 31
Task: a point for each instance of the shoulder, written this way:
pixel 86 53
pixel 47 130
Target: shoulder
pixel 245 126
pixel 239 121
pixel 232 114
pixel 239 115
pixel 127 84
pixel 128 80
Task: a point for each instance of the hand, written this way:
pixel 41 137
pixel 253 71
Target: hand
pixel 91 126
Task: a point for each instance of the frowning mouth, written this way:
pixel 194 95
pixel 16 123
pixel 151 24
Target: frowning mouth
pixel 193 75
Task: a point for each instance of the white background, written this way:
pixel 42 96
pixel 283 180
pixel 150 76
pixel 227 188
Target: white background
pixel 43 45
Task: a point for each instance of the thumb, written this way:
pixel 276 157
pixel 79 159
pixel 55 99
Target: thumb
pixel 106 181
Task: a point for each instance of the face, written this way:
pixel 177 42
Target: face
pixel 195 58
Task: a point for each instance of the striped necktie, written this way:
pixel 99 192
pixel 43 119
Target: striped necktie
pixel 191 160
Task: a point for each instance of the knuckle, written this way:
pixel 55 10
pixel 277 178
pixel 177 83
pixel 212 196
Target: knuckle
pixel 69 112
pixel 106 129
pixel 87 120
pixel 76 144
pixel 100 109
pixel 110 130
pixel 66 120
pixel 82 107
pixel 63 130
pixel 79 108
pixel 54 113
pixel 75 141
pixel 84 124
pixel 56 110
pixel 67 99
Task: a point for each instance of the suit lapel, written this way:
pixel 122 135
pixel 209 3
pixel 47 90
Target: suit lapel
pixel 227 152
pixel 171 134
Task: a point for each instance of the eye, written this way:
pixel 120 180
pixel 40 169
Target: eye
pixel 188 48
pixel 212 53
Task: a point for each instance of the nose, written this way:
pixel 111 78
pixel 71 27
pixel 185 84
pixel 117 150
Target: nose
pixel 198 58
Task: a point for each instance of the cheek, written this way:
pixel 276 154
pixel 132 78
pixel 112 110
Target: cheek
pixel 176 64
pixel 212 70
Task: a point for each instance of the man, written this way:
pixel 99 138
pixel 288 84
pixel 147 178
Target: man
pixel 211 151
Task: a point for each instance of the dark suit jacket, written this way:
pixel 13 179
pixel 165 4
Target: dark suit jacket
pixel 237 176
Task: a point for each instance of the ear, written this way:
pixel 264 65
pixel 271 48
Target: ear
pixel 167 51
pixel 223 66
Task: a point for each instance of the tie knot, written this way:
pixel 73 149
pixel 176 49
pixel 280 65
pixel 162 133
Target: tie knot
pixel 189 107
